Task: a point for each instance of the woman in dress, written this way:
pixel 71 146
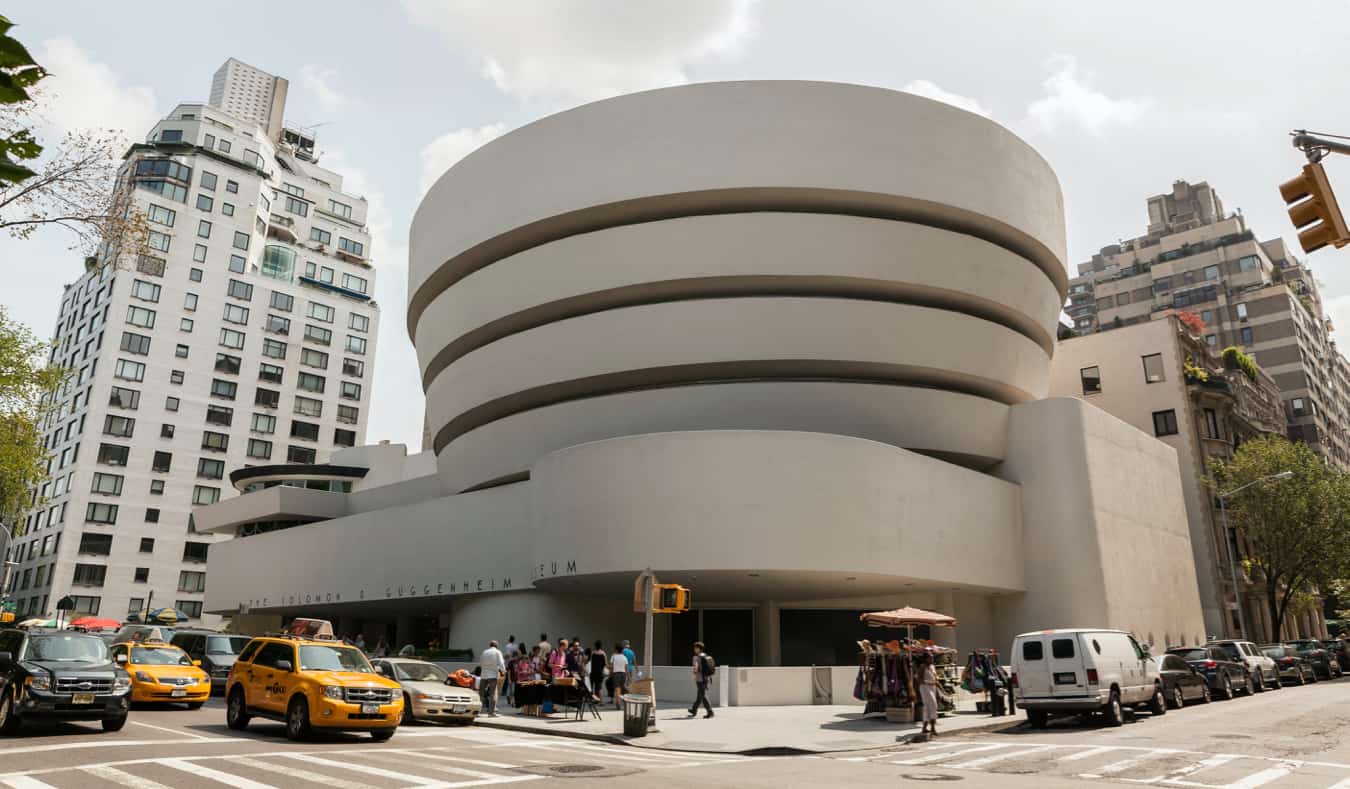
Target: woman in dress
pixel 928 695
pixel 599 662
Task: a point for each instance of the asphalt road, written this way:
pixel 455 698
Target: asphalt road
pixel 1289 738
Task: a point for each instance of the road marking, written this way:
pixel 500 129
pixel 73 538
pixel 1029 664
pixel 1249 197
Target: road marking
pixel 939 757
pixel 24 782
pixel 479 762
pixel 1176 777
pixel 379 772
pixel 1260 779
pixel 201 771
pixel 1125 764
pixel 123 778
pixel 1342 784
pixel 1096 750
pixel 179 732
pixel 444 768
pixel 85 743
pixel 295 772
pixel 975 764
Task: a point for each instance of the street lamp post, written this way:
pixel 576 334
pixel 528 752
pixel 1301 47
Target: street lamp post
pixel 1232 554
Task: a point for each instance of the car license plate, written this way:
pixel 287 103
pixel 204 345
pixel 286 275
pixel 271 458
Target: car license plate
pixel 1066 678
pixel 177 693
pixel 459 709
pixel 370 709
pixel 82 698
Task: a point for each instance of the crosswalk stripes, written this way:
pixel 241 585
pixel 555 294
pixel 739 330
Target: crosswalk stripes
pixel 124 778
pixel 202 771
pixel 294 773
pixel 26 782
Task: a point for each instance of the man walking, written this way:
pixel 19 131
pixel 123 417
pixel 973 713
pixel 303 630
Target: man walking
pixel 704 669
pixel 491 669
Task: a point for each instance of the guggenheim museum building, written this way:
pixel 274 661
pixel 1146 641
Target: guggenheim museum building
pixel 785 343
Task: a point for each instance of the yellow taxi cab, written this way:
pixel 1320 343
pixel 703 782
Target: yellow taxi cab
pixel 310 680
pixel 162 672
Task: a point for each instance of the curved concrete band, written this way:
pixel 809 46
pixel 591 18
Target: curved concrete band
pixel 774 146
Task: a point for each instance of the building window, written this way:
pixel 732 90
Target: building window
pixel 274 349
pixel 142 575
pixel 124 398
pixel 1153 368
pixel 237 264
pixel 189 581
pixel 352 247
pixel 306 430
pixel 128 370
pixel 270 373
pixel 317 334
pixel 350 391
pixel 157 241
pixel 293 206
pixel 1162 284
pixel 203 495
pixel 282 302
pixel 344 438
pixel 135 343
pixel 95 544
pixel 122 426
pixel 226 363
pixel 208 468
pixel 185 324
pixel 320 312
pixel 166 431
pixel 258 448
pixel 353 367
pixel 205 203
pixel 145 291
pixel 156 487
pixel 219 415
pixel 140 316
pixel 277 324
pixel 1092 380
pixel 354 283
pixel 312 358
pixel 1212 340
pixel 278 262
pixel 147 545
pixel 239 290
pixel 320 235
pixel 107 484
pixel 308 406
pixel 300 455
pixel 195 274
pixel 195 552
pixel 171 403
pixel 340 209
pixel 1211 272
pixel 1212 426
pixel 152 515
pixel 232 187
pixel 348 414
pixel 240 240
pixel 224 389
pixel 1245 335
pixel 216 442
pixel 1299 407
pixel 89 575
pixel 358 322
pixel 181 351
pixel 267 398
pixel 98 512
pixel 85 604
pixel 310 382
pixel 227 209
pixel 235 314
pixel 264 423
pixel 230 338
pixel 160 215
pixel 1249 263
pixel 171 135
pixel 1165 423
pixel 1242 312
pixel 208 180
pixel 203 229
pixel 356 344
pixel 162 462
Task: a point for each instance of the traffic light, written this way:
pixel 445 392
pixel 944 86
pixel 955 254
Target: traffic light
pixel 672 599
pixel 1313 209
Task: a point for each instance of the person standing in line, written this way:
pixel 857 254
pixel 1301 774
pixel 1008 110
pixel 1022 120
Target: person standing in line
pixel 557 661
pixel 491 666
pixel 545 648
pixel 928 685
pixel 511 651
pixel 703 667
pixel 618 675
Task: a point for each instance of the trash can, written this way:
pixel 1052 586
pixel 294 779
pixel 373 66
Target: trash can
pixel 636 708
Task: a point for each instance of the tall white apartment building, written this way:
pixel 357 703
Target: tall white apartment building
pixel 250 94
pixel 245 336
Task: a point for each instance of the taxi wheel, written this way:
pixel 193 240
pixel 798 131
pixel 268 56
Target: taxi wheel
pixel 9 718
pixel 114 724
pixel 297 719
pixel 380 735
pixel 407 719
pixel 236 713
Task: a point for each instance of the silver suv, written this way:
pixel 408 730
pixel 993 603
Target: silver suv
pixel 1260 667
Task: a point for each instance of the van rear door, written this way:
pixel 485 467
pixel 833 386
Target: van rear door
pixel 1068 677
pixel 1033 667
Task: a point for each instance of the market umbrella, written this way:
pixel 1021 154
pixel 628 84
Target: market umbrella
pixel 94 623
pixel 166 616
pixel 38 623
pixel 908 617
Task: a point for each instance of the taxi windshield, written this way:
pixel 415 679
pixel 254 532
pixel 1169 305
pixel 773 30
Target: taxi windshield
pixel 159 656
pixel 420 672
pixel 326 658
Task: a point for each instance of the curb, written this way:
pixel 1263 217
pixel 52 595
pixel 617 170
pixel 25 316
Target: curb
pixel 764 750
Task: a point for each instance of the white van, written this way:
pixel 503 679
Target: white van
pixel 1082 671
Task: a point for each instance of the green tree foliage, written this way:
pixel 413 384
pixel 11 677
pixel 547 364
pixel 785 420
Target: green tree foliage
pixel 18 73
pixel 1296 531
pixel 1235 359
pixel 27 389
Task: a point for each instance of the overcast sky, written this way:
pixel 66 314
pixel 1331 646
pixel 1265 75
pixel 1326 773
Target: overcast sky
pixel 1121 98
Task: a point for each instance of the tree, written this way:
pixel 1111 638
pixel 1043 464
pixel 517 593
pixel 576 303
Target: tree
pixel 18 73
pixel 75 183
pixel 27 393
pixel 1296 531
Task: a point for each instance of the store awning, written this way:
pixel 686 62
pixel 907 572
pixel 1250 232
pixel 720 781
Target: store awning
pixel 907 617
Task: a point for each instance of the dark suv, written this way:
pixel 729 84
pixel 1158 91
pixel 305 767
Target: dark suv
pixel 60 675
pixel 216 651
pixel 1322 661
pixel 1224 675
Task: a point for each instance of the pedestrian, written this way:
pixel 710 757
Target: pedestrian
pixel 576 664
pixel 537 666
pixel 510 652
pixel 704 668
pixel 599 662
pixel 928 686
pixel 544 646
pixel 557 661
pixel 511 649
pixel 632 661
pixel 381 648
pixel 360 642
pixel 618 674
pixel 491 668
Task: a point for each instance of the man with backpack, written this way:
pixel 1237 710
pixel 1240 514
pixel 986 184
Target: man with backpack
pixel 704 670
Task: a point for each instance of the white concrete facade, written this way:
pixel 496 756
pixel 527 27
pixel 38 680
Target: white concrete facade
pixel 787 343
pixel 249 94
pixel 195 360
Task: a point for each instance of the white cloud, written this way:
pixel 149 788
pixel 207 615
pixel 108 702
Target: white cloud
pixel 922 87
pixel 441 153
pixel 318 80
pixel 82 93
pixel 583 50
pixel 1071 99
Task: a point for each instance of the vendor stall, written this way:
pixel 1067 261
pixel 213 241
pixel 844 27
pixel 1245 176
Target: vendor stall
pixel 888 671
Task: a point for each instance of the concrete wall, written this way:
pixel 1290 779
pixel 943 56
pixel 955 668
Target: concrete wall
pixel 1105 531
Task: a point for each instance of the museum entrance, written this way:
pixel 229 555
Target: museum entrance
pixel 728 632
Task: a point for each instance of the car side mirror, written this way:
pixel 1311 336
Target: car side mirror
pixel 284 665
pixel 5 657
pixel 121 660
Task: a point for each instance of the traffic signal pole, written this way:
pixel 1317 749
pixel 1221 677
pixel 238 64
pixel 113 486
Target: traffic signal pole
pixel 1316 148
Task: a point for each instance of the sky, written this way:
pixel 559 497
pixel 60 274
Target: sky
pixel 1122 98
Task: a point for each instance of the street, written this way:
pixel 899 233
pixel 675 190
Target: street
pixel 1288 738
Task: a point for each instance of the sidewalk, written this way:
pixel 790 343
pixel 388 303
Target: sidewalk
pixel 805 729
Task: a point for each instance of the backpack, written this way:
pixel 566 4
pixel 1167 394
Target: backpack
pixel 709 666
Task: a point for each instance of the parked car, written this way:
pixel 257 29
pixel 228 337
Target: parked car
pixel 426 692
pixel 216 651
pixel 1181 682
pixel 1224 676
pixel 1259 665
pixel 1083 671
pixel 1319 657
pixel 60 675
pixel 1293 667
pixel 1339 649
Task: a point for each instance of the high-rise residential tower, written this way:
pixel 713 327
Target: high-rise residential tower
pixel 1249 293
pixel 249 94
pixel 245 335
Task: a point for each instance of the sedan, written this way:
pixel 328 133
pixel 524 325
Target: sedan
pixel 1322 661
pixel 427 694
pixel 1181 682
pixel 1294 668
pixel 1223 675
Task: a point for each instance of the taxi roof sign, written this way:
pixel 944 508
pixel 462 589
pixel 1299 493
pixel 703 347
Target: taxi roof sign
pixel 318 629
